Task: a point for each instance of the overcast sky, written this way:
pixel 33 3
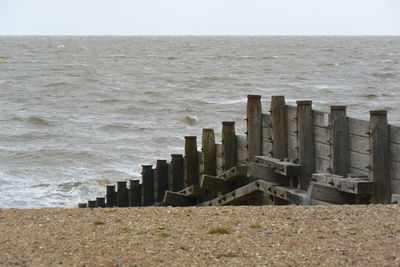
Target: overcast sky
pixel 201 17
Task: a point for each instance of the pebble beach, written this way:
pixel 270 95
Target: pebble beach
pixel 345 235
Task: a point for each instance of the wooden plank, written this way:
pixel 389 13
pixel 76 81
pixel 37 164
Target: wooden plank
pixel 241 148
pixel 321 119
pixel 292 127
pixel 358 127
pixel 213 183
pixel 394 170
pixel 237 196
pixel 359 144
pixel 293 154
pixel 339 148
pixel 394 134
pixel 229 144
pixel 161 185
pixel 292 142
pixel 328 193
pixel 176 199
pixel 191 191
pixel 266 135
pixel 265 117
pixel 322 151
pixel 263 172
pixel 394 152
pixel 380 156
pixel 177 166
pixel 291 112
pixel 281 167
pixel 395 199
pixel 279 127
pixel 305 141
pixel 235 173
pixel 322 165
pixel 218 149
pixel 267 148
pixel 358 161
pixel 395 186
pixel 322 135
pixel 355 171
pixel 349 185
pixel 254 127
pixel 147 185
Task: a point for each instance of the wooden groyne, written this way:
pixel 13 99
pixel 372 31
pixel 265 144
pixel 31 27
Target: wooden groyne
pixel 288 155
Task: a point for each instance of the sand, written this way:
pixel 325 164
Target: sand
pixel 206 236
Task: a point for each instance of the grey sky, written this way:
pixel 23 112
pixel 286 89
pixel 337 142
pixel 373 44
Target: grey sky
pixel 201 17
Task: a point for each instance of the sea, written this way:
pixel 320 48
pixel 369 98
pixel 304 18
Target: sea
pixel 78 112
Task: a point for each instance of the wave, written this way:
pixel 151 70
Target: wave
pixel 384 74
pixel 38 120
pixel 57 84
pixel 190 120
pixel 111 100
pixel 116 127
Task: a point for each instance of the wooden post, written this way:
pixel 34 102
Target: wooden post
pixel 82 205
pixel 134 193
pixel 228 144
pixel 254 126
pixel 192 161
pixel 209 152
pixel 147 185
pixel 379 156
pixel 305 141
pixel 122 194
pixel 177 172
pixel 162 179
pixel 279 127
pixel 100 202
pixel 339 141
pixel 91 203
pixel 111 196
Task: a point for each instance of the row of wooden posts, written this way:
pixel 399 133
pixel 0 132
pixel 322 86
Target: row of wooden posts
pixel 186 170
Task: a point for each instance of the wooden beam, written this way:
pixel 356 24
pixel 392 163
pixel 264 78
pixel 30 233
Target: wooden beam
pixel 192 161
pixel 147 185
pixel 213 183
pixel 281 167
pixel 339 141
pixel 254 126
pixel 356 186
pixel 380 156
pixel 395 199
pixel 279 127
pixel 176 199
pixel 122 194
pixel 177 172
pixel 161 172
pixel 229 144
pixel 209 152
pixel 305 141
pixel 267 173
pixel 327 193
pixel 111 196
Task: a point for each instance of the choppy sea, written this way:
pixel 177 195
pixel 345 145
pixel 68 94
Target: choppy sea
pixel 81 112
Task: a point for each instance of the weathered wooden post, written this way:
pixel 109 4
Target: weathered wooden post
pixel 339 143
pixel 91 203
pixel 122 194
pixel 192 161
pixel 135 197
pixel 228 144
pixel 82 205
pixel 162 179
pixel 111 196
pixel 209 152
pixel 177 172
pixel 100 202
pixel 147 185
pixel 305 141
pixel 379 156
pixel 254 126
pixel 279 126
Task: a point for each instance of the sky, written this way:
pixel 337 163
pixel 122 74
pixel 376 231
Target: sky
pixel 201 17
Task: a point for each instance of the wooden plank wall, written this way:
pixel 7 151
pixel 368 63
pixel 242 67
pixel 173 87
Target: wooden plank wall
pixel 241 149
pixel 358 146
pixel 218 149
pixel 293 153
pixel 394 164
pixel 266 135
pixel 322 136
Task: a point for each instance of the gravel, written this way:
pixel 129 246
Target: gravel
pixel 345 235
